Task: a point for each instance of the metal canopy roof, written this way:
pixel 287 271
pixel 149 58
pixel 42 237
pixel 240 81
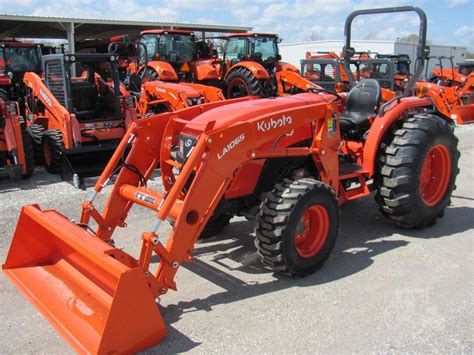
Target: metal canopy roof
pixel 21 26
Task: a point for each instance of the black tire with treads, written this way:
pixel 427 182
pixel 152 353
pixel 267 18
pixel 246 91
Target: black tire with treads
pixel 29 153
pixel 251 85
pixel 54 140
pixel 399 194
pixel 36 133
pixel 278 221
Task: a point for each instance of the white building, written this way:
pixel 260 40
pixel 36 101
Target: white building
pixel 294 52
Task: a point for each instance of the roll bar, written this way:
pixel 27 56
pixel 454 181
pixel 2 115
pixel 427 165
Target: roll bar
pixel 422 49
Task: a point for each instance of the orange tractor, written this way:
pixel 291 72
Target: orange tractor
pixel 159 96
pixel 451 92
pixel 327 69
pixel 304 154
pixel 16 145
pixel 252 67
pixel 177 55
pixel 154 94
pixel 17 58
pixel 78 114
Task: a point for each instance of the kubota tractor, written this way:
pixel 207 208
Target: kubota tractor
pixel 157 96
pixel 17 58
pixel 177 55
pixel 16 145
pixel 327 70
pixel 290 161
pixel 451 91
pixel 250 65
pixel 78 114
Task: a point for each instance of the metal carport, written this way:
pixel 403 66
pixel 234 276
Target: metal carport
pixel 79 29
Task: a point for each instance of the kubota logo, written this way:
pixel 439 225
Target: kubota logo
pixel 231 146
pixel 266 126
pixel 46 98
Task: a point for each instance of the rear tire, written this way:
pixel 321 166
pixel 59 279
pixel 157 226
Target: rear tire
pixel 29 154
pixel 417 171
pixel 241 82
pixel 36 132
pixel 52 147
pixel 297 226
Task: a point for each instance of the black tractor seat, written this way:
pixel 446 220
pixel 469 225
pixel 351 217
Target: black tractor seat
pixel 362 102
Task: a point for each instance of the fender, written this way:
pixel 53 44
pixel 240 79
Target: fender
pixel 255 68
pixel 383 123
pixel 280 66
pixel 164 70
pixel 203 70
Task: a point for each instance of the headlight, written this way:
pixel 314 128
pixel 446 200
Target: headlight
pixel 185 144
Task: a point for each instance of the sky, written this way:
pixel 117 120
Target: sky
pixel 450 22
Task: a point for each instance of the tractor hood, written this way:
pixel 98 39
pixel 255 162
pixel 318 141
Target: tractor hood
pixel 244 111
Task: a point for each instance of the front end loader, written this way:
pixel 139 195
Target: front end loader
pixel 288 163
pixel 158 96
pixel 78 114
pixel 16 145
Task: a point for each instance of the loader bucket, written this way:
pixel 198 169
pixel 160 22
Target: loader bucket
pixel 92 293
pixel 86 161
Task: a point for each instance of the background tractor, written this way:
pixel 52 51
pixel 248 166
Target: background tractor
pixel 78 114
pixel 17 58
pixel 250 64
pixel 177 55
pixel 16 145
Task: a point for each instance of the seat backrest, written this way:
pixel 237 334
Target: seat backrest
pixel 364 97
pixel 84 96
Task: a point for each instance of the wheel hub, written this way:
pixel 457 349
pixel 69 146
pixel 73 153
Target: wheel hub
pixel 312 231
pixel 435 175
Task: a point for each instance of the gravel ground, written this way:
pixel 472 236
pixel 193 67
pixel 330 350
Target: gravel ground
pixel 384 289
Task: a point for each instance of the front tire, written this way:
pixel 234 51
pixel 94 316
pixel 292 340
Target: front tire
pixel 297 226
pixel 36 132
pixel 418 171
pixel 52 150
pixel 29 154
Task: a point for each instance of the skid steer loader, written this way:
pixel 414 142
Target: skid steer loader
pixel 78 114
pixel 289 162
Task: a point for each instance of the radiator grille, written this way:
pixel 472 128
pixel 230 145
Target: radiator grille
pixel 55 80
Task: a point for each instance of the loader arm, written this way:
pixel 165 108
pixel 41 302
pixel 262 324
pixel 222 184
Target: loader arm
pixel 41 91
pixel 61 118
pixel 215 158
pixel 287 79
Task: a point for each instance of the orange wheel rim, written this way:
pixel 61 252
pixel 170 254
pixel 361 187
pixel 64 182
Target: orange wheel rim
pixel 435 175
pixel 312 231
pixel 47 154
